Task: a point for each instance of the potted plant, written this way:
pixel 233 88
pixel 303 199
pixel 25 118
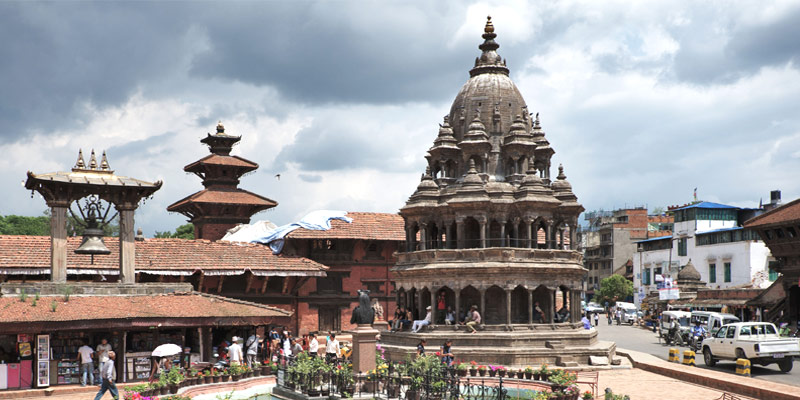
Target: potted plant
pixel 562 379
pixel 473 368
pixel 482 370
pixel 461 369
pixel 207 377
pixel 438 389
pixel 413 389
pixel 501 371
pixel 528 372
pixel 587 395
pixel 543 373
pixel 492 371
pixel 236 371
pixel 174 378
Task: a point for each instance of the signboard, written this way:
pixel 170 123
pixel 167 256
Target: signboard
pixel 672 293
pixel 280 375
pixel 43 360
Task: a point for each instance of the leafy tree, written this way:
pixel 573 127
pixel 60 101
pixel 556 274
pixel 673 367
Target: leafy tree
pixel 76 226
pixel 185 231
pixel 657 210
pixel 23 225
pixel 614 288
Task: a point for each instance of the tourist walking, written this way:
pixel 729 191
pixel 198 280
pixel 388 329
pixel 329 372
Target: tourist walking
pixel 102 350
pixel 235 351
pixel 596 319
pixel 331 348
pixel 108 375
pixel 85 354
pixel 419 324
pixel 313 345
pixel 446 353
pixel 252 349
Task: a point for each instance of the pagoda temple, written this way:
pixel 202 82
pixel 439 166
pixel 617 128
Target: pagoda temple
pixel 222 204
pixel 488 230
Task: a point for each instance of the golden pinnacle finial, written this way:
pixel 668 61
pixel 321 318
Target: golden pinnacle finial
pixel 489 27
pixel 220 128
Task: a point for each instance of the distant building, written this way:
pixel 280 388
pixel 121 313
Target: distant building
pixel 711 236
pixel 609 241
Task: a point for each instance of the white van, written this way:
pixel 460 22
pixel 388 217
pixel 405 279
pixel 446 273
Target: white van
pixel 629 312
pixel 712 321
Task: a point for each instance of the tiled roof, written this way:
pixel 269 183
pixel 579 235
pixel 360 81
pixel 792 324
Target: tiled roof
pixel 174 305
pixel 216 159
pixel 365 225
pixel 789 212
pixel 225 195
pixel 29 254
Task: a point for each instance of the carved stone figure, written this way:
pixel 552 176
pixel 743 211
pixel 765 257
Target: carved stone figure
pixel 378 309
pixel 363 314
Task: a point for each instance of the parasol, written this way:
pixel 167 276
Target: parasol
pixel 166 350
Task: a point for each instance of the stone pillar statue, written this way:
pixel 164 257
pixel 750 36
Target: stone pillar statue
pixel 364 334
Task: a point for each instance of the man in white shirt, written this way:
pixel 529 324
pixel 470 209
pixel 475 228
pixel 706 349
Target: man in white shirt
pixel 331 348
pixel 252 349
pixel 102 350
pixel 313 345
pixel 235 351
pixel 420 323
pixel 108 374
pixel 87 365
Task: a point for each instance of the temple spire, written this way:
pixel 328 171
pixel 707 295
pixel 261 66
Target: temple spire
pixel 92 161
pixel 489 61
pixel 104 162
pixel 80 164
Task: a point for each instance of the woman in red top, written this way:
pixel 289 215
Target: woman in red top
pixel 441 308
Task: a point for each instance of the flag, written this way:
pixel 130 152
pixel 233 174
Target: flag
pixel 695 194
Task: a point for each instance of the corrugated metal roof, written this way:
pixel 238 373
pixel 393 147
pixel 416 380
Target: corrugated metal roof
pixel 706 204
pixel 654 239
pixel 719 230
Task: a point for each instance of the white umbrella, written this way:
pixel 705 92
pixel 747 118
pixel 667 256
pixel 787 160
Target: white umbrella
pixel 166 350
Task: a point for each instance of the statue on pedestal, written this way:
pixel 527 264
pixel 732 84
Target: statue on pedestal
pixel 363 314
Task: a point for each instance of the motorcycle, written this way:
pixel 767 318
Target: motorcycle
pixel 697 342
pixel 675 336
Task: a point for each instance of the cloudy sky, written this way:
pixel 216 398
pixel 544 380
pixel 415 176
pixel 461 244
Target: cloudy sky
pixel 642 101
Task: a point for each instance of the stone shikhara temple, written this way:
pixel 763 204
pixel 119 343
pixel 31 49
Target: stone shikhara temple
pixel 488 227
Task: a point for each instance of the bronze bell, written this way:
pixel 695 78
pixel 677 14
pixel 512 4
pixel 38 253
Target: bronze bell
pixel 92 239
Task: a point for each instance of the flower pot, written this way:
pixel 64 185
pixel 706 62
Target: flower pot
pixel 393 391
pixel 164 390
pixel 412 395
pixel 528 375
pixel 313 393
pixel 473 372
pixel 217 379
pixel 237 377
pixel 208 379
pixel 482 372
pixel 257 372
pixel 173 388
pixel 492 373
pixel 325 392
pixel 462 372
pixel 521 374
pixel 501 372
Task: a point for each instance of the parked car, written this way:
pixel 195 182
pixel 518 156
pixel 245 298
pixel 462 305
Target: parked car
pixel 713 320
pixel 594 308
pixel 757 341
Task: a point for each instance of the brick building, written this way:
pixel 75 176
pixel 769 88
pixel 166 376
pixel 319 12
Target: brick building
pixel 609 241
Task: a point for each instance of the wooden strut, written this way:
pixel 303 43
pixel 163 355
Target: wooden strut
pixel 201 282
pixel 264 285
pixel 249 283
pixel 285 288
pixel 219 286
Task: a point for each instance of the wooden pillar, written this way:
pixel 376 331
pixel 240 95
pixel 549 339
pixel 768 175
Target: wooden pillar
pixel 58 242
pixel 127 246
pixel 264 285
pixel 249 283
pixel 508 307
pixel 222 279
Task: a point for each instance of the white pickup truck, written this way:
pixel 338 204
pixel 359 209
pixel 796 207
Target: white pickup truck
pixel 757 341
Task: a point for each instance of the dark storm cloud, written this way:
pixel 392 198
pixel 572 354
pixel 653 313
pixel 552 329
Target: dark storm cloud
pixel 59 56
pixel 338 52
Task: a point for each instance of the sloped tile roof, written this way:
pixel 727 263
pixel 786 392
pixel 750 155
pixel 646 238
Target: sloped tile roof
pixel 223 195
pixel 174 305
pixel 789 212
pixel 365 225
pixel 216 159
pixel 158 256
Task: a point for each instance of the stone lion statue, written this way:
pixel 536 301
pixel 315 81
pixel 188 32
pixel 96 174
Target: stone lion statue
pixel 363 314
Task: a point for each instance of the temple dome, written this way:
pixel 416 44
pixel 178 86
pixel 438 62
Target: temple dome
pixel 689 273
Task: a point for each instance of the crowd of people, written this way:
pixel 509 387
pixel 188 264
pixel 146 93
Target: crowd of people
pixel 403 318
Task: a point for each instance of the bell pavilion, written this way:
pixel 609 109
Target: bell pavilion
pixel 488 227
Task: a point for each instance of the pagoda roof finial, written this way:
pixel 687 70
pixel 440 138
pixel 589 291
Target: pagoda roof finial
pixel 104 162
pixel 80 164
pixel 489 28
pixel 561 175
pixel 220 128
pixel 92 161
pixel 489 61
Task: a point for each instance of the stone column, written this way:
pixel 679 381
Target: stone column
pixel 553 308
pixel 420 308
pixel 483 306
pixel 528 223
pixel 433 306
pixel 409 239
pixel 127 246
pixel 458 303
pixel 58 242
pixel 448 244
pixel 459 232
pixel 508 308
pixel 482 222
pixel 548 235
pixel 364 348
pixel 502 233
pixel 573 236
pixel 575 305
pixel 530 306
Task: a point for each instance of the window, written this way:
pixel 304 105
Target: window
pixel 731 332
pixel 721 332
pixel 712 273
pixel 682 246
pixel 646 277
pixel 773 274
pixel 727 272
